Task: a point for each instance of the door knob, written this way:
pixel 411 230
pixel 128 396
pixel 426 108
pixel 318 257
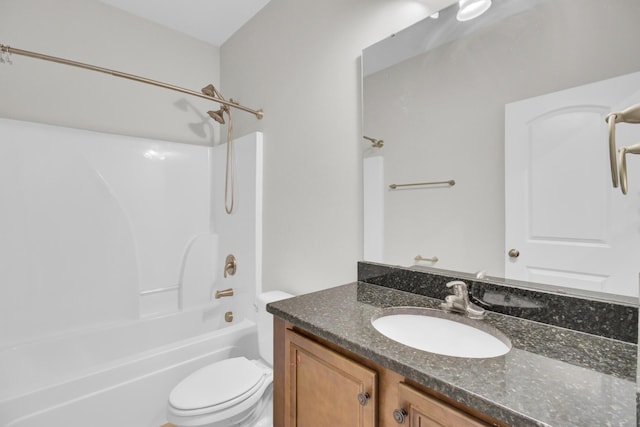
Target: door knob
pixel 514 253
pixel 363 398
pixel 400 415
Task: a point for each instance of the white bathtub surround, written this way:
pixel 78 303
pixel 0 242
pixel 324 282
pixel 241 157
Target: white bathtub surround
pixel 109 244
pixel 89 221
pixel 240 233
pixel 202 255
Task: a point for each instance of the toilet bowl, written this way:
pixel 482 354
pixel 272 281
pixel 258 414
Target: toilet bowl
pixel 231 392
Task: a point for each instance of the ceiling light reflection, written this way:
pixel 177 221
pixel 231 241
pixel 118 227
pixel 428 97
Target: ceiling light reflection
pixel 471 9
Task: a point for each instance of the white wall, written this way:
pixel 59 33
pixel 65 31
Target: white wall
pixel 300 61
pixel 91 32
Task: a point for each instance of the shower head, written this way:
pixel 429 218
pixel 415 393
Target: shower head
pixel 375 143
pixel 211 91
pixel 218 116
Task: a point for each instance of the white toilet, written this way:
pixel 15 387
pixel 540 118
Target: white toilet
pixel 232 392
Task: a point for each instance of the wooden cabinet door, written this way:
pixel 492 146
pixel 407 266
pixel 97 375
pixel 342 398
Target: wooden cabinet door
pixel 322 387
pixel 425 411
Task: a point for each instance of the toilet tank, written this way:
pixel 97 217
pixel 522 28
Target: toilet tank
pixel 265 323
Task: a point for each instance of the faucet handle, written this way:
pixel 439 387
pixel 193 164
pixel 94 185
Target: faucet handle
pixel 459 302
pixel 459 287
pixel 230 265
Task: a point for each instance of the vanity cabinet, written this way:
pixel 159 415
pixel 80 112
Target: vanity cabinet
pixel 325 388
pixel 417 409
pixel 319 384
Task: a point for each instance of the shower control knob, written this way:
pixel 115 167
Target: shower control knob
pixel 514 253
pixel 363 398
pixel 400 415
pixel 230 265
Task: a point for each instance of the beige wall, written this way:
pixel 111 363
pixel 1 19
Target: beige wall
pixel 300 61
pixel 91 32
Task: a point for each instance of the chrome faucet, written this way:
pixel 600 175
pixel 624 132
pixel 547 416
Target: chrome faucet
pixel 459 301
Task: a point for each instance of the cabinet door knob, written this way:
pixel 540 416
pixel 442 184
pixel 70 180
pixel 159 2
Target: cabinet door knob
pixel 363 398
pixel 514 253
pixel 400 415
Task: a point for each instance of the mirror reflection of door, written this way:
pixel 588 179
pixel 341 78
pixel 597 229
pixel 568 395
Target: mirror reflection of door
pixel 570 227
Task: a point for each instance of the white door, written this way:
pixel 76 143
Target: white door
pixel 569 225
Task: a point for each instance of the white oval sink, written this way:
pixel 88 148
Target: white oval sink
pixel 443 333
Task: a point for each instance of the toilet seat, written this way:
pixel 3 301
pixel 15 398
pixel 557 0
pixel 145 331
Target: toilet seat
pixel 241 383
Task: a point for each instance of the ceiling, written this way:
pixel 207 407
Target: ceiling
pixel 213 21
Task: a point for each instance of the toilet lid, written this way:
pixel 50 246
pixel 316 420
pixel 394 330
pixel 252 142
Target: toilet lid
pixel 216 384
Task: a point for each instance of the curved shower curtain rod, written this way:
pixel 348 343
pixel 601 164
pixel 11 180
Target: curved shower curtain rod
pixel 11 50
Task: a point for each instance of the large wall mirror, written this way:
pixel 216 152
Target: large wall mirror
pixel 505 113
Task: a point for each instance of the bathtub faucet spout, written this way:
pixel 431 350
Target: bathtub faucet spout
pixel 224 293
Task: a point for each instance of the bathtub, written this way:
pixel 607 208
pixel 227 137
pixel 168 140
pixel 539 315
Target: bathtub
pixel 117 375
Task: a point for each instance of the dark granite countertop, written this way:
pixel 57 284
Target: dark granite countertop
pixel 551 377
